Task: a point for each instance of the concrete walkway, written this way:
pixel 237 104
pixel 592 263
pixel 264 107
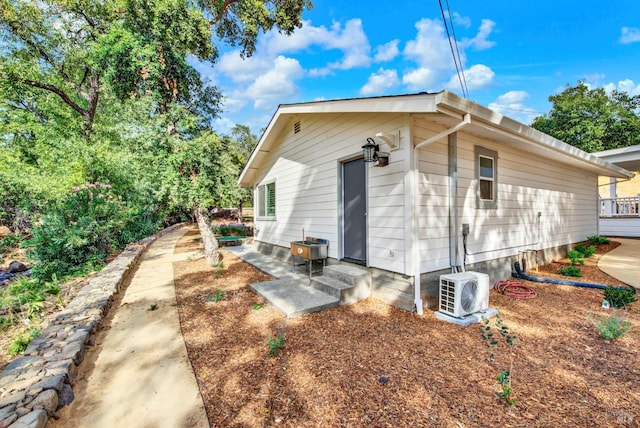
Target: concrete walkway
pixel 623 262
pixel 139 374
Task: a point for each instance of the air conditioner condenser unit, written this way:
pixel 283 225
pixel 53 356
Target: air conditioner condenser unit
pixel 463 293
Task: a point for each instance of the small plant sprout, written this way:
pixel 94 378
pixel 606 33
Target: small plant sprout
pixel 217 296
pixel 276 344
pixel 258 306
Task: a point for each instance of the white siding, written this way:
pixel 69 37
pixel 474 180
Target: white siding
pixel 305 167
pixel 627 227
pixel 564 196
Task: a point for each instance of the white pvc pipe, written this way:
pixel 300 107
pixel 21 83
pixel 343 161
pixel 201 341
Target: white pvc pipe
pixel 416 195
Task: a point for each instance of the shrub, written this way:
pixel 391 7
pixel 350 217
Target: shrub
pixel 575 257
pixel 76 234
pixel 612 328
pixel 586 251
pixel 570 271
pixel 597 240
pixel 230 230
pixel 620 297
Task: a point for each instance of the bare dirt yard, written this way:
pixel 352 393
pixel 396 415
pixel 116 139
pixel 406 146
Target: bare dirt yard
pixel 372 365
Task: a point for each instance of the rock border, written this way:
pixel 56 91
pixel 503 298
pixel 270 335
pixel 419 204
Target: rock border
pixel 34 386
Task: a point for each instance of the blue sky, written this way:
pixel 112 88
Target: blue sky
pixel 515 54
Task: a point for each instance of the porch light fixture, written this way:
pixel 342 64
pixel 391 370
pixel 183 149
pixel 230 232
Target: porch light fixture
pixel 370 150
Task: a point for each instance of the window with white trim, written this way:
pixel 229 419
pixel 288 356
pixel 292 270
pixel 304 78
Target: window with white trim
pixel 487 178
pixel 267 200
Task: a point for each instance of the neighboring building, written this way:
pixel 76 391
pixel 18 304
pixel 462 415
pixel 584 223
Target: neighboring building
pixel 620 199
pixel 453 166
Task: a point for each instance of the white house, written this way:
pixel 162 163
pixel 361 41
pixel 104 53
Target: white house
pixel 464 186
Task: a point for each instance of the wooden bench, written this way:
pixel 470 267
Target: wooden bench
pixel 227 240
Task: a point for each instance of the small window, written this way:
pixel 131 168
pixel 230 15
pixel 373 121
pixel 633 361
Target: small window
pixel 487 177
pixel 267 200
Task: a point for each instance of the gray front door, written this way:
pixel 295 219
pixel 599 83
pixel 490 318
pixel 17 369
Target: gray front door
pixel 354 211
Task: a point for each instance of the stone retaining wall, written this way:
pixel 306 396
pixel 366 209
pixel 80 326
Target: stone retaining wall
pixel 33 387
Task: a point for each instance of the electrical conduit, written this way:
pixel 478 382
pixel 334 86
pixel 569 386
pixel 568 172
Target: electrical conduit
pixel 416 197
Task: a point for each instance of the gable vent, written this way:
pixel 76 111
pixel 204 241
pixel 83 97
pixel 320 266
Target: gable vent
pixel 296 127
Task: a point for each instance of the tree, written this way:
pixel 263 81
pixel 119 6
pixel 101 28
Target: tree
pixel 592 119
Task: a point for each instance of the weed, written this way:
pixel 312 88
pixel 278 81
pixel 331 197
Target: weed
pixel 570 271
pixel 22 340
pixel 597 240
pixel 217 296
pixel 611 328
pixel 620 297
pixel 153 307
pixel 586 251
pixel 258 306
pixel 276 344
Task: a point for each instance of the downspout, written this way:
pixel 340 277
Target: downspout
pixel 416 197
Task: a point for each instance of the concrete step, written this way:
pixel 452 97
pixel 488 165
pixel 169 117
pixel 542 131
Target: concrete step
pixel 331 286
pixel 293 297
pixel 356 282
pixel 349 274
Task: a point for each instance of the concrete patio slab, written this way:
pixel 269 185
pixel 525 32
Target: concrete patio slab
pixel 294 298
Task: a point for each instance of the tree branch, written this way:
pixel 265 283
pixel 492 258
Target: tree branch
pixel 223 9
pixel 59 92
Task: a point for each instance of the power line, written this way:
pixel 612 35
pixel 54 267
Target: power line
pixel 455 40
pixel 456 60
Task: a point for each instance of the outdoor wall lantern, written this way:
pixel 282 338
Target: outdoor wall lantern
pixel 372 153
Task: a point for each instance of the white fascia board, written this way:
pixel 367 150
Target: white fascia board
pixel 505 125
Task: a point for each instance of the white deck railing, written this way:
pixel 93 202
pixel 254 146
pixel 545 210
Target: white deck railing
pixel 619 207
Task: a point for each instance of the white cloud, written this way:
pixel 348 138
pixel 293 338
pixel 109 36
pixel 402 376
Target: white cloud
pixel 421 79
pixel 627 85
pixel 476 77
pixel 512 104
pixel 387 52
pixel 480 41
pixel 242 70
pixel 629 35
pixel 430 49
pixel 463 21
pixel 277 84
pixel 380 81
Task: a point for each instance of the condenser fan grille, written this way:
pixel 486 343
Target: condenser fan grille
pixel 469 296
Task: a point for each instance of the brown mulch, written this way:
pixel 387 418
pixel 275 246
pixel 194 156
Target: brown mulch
pixel 334 364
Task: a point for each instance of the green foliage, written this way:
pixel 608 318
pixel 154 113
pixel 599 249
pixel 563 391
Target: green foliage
pixel 217 296
pixel 230 230
pixel 612 328
pixel 504 380
pixel 276 344
pixel 22 340
pixel 597 240
pixel 575 257
pixel 492 340
pixel 620 297
pixel 592 119
pixel 585 251
pixel 570 271
pixel 257 306
pixel 78 233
